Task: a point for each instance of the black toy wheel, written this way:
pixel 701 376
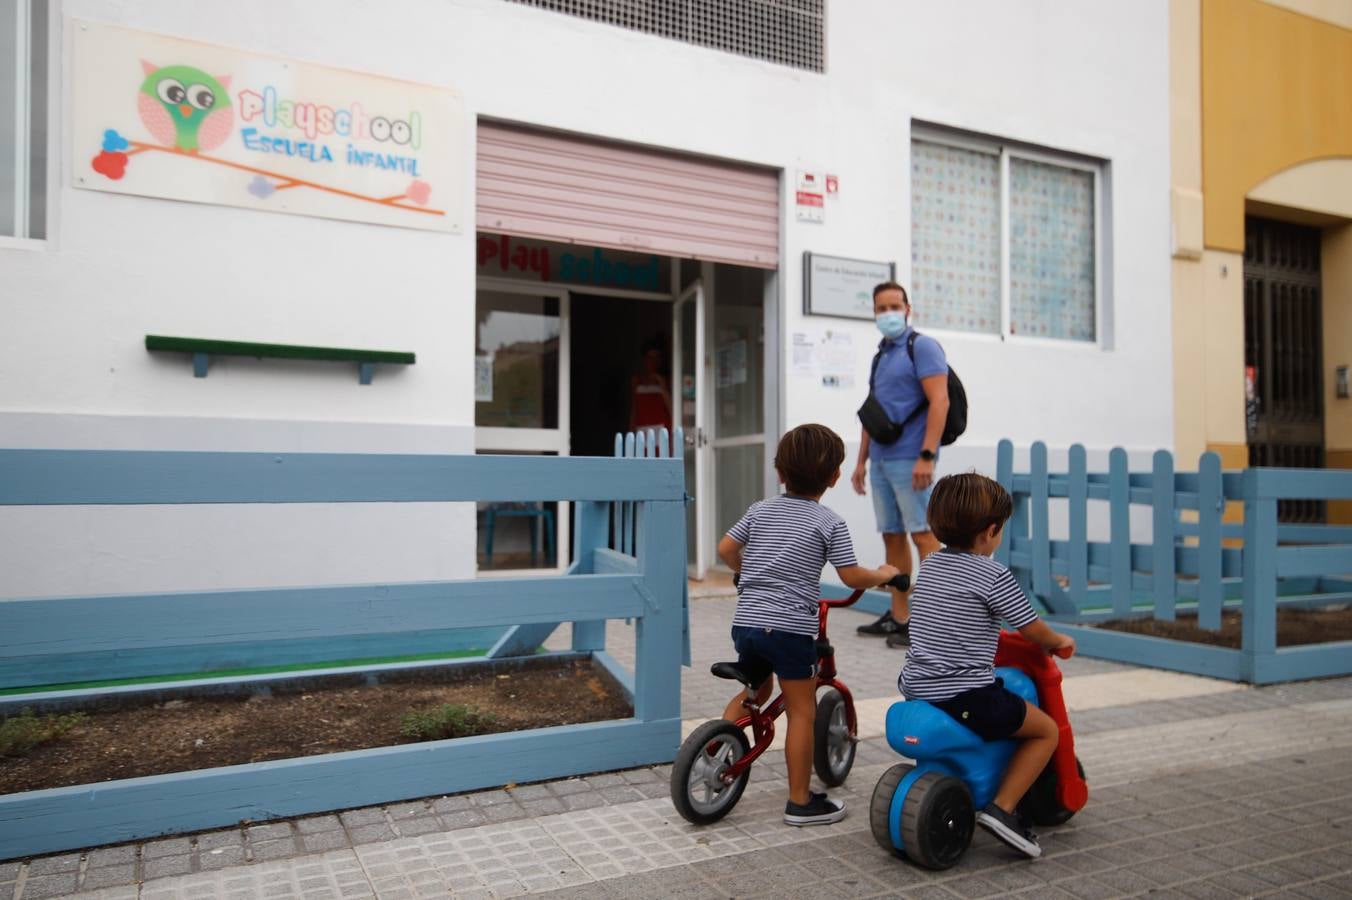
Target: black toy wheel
pixel 880 807
pixel 1040 805
pixel 698 790
pixel 937 820
pixel 832 748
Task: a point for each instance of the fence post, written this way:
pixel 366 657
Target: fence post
pixel 1259 629
pixel 1119 513
pixel 589 533
pixel 1078 494
pixel 1163 577
pixel 661 555
pixel 1044 587
pixel 1210 505
pixel 1004 473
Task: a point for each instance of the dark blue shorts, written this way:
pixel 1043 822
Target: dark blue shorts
pixel 761 651
pixel 991 711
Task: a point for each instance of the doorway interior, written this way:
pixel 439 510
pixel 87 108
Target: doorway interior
pixel 555 368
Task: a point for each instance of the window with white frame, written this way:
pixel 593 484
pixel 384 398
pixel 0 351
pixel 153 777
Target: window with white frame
pixel 23 119
pixel 1004 240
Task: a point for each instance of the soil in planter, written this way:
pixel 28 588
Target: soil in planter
pixel 1294 627
pixel 200 733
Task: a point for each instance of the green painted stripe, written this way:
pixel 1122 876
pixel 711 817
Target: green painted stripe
pixel 227 673
pixel 276 351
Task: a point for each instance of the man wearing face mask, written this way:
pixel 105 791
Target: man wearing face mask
pixel 910 381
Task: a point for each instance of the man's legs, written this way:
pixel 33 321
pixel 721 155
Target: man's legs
pixel 925 544
pixel 899 554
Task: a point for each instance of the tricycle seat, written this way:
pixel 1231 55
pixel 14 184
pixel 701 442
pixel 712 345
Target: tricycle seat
pixel 732 672
pixel 935 739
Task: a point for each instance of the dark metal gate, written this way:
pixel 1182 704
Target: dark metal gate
pixel 1283 353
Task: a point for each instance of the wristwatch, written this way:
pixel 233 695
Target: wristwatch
pixel 927 455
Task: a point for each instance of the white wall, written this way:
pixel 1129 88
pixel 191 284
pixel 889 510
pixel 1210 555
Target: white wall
pixel 1084 77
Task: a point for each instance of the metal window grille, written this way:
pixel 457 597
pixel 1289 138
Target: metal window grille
pixel 788 32
pixel 1284 346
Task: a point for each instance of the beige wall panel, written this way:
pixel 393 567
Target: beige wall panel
pixel 1223 346
pixel 1323 186
pixel 1190 415
pixel 1337 12
pixel 1276 92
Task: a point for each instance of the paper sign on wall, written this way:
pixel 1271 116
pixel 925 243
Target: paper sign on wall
pixel 164 117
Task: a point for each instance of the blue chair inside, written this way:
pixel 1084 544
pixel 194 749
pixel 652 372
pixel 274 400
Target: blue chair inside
pixel 935 740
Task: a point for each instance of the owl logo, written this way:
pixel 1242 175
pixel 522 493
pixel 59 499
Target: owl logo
pixel 185 108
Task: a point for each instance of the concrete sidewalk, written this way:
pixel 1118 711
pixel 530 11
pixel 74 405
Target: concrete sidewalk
pixel 1198 789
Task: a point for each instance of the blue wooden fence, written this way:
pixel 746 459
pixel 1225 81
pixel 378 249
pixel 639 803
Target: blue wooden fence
pixel 637 573
pixel 1194 563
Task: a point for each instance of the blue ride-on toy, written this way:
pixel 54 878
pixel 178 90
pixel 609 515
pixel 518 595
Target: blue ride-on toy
pixel 927 812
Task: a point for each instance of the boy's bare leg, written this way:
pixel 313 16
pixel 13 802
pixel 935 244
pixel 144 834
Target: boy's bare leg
pixel 735 710
pixel 899 555
pixel 1038 737
pixel 800 696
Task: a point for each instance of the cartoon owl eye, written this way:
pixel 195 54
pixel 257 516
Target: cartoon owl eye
pixel 400 133
pixel 170 91
pixel 380 128
pixel 201 96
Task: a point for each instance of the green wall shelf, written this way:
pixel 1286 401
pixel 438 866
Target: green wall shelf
pixel 202 349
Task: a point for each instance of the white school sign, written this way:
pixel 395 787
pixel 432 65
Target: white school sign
pixel 164 117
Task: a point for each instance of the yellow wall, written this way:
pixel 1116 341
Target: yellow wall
pixel 1276 91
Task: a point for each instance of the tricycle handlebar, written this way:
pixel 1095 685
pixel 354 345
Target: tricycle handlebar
pixel 901 582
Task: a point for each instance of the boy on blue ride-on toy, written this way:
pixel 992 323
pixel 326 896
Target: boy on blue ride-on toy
pixel 982 737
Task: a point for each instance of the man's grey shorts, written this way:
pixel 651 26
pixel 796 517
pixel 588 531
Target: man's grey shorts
pixel 898 508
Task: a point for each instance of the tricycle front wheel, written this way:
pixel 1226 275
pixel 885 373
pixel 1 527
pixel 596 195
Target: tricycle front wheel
pixel 698 790
pixel 832 746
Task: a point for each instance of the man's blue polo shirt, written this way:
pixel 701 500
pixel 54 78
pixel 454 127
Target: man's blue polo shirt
pixel 897 387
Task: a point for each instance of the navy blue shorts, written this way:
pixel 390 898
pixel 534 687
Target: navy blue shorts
pixel 991 711
pixel 761 651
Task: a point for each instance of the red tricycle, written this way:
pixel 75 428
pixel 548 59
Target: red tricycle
pixel 714 763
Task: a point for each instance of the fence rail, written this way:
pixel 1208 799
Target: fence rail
pixel 56 640
pixel 1194 562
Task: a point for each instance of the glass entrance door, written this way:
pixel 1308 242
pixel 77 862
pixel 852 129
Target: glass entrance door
pixel 521 401
pixel 689 368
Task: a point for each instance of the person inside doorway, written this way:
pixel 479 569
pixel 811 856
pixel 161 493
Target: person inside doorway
pixel 910 372
pixel 650 392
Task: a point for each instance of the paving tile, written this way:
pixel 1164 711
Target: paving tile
pixel 356 818
pixel 269 832
pixel 454 803
pixel 221 857
pixel 45 886
pixel 218 839
pixel 10 871
pixel 172 847
pixel 467 818
pixel 369 834
pixel 53 865
pixel 524 792
pixel 282 848
pixel 414 826
pixel 164 866
pixel 109 876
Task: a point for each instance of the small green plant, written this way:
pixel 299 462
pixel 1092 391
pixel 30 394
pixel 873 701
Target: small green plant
pixel 450 720
pixel 21 733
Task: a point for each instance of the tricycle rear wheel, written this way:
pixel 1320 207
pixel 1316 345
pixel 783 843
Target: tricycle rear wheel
pixel 880 807
pixel 832 746
pixel 697 788
pixel 1040 805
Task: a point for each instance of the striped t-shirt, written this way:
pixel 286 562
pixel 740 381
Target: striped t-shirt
pixel 787 541
pixel 956 608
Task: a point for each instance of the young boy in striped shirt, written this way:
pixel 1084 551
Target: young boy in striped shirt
pixel 960 596
pixel 777 551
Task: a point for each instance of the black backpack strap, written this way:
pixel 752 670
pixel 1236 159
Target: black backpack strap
pixel 924 404
pixel 872 372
